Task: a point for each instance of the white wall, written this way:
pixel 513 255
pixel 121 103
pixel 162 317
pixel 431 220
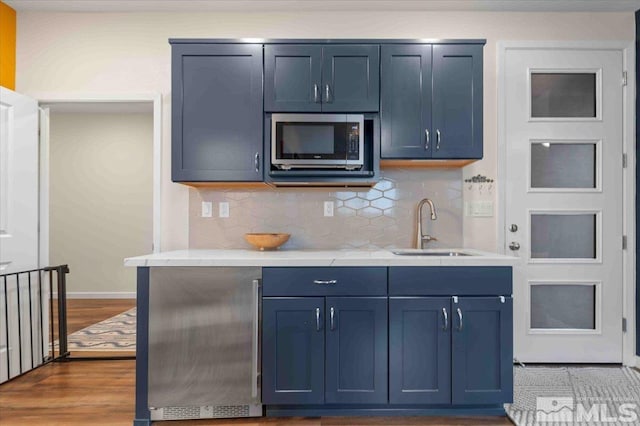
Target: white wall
pixel 100 197
pixel 129 53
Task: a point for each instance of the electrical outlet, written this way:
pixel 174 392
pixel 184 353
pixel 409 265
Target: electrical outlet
pixel 328 208
pixel 223 209
pixel 207 209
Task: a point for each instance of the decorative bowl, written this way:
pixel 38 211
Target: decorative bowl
pixel 266 241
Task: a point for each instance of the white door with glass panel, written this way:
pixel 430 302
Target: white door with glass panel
pixel 563 134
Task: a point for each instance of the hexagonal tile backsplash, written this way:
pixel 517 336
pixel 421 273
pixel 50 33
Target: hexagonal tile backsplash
pixel 380 217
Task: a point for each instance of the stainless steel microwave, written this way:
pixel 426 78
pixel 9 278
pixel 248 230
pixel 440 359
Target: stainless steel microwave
pixel 317 141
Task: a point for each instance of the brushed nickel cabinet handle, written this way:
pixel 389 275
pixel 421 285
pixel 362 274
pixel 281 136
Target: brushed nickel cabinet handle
pixel 445 318
pixel 256 160
pixel 317 319
pixel 426 139
pixel 325 282
pixel 316 96
pixel 327 92
pixel 437 139
pixel 333 324
pixel 460 319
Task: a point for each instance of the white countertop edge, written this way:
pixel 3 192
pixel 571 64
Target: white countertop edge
pixel 239 258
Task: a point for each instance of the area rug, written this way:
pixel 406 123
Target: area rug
pixel 575 396
pixel 115 334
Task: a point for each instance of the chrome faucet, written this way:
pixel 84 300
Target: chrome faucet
pixel 420 238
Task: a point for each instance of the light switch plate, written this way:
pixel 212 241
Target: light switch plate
pixel 478 208
pixel 207 209
pixel 223 209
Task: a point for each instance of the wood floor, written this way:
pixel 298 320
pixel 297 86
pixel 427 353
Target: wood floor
pixel 102 392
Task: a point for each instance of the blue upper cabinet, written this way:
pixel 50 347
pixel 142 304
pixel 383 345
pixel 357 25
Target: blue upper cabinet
pixel 293 79
pixel 431 103
pixel 405 109
pixel 351 78
pixel 216 112
pixel 356 344
pixel 482 342
pixel 293 350
pixel 457 101
pixel 419 350
pixel 314 78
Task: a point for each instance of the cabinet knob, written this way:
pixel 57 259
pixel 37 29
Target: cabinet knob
pixel 513 227
pixel 514 246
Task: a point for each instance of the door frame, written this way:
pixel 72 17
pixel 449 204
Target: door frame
pixel 156 100
pixel 628 180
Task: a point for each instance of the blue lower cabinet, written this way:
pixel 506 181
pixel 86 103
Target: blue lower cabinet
pixel 482 357
pixel 419 350
pixel 356 350
pixel 293 350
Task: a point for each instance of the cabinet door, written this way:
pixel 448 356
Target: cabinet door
pixel 405 107
pixel 293 350
pixel 356 358
pixel 419 350
pixel 482 343
pixel 292 80
pixel 216 112
pixel 350 78
pixel 457 101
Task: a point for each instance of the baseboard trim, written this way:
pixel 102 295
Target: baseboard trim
pixel 99 295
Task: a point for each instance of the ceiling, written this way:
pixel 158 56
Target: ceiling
pixel 289 5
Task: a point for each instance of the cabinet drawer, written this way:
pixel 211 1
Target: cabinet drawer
pixel 450 280
pixel 324 281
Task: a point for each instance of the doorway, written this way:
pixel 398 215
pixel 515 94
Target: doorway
pixel 562 122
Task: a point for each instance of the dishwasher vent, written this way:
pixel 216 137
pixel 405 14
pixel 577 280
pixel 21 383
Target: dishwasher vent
pixel 205 412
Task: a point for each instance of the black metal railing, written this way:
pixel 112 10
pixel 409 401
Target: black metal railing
pixel 42 307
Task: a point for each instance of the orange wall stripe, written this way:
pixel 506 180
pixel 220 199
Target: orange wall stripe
pixel 7 46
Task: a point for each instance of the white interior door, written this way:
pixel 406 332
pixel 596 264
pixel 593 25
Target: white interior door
pixel 18 182
pixel 19 348
pixel 564 130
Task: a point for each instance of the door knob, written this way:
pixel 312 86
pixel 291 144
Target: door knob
pixel 513 227
pixel 514 246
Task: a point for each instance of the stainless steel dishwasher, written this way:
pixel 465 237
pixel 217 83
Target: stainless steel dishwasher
pixel 204 342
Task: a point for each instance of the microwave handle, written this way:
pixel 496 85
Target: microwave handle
pixel 256 160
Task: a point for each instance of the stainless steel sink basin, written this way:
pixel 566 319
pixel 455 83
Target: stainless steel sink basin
pixel 418 252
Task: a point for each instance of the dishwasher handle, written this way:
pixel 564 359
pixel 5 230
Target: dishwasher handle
pixel 256 373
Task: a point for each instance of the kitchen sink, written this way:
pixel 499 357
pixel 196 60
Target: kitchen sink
pixel 418 252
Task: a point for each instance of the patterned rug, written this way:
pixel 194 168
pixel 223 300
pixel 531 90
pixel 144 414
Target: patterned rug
pixel 575 396
pixel 115 334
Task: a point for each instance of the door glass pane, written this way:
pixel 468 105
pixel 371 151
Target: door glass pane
pixel 563 236
pixel 563 165
pixel 563 306
pixel 562 95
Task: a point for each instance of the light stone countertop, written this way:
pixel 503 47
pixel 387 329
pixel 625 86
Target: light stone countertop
pixel 316 258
